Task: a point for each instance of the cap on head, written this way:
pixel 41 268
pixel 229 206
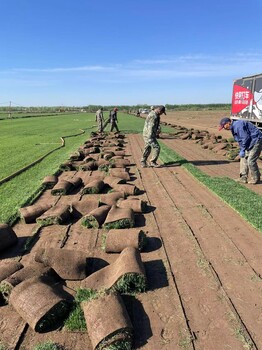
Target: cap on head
pixel 152 108
pixel 115 109
pixel 223 122
pixel 162 109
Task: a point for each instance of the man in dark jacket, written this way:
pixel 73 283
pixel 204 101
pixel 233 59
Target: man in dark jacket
pixel 113 119
pixel 150 137
pixel 249 138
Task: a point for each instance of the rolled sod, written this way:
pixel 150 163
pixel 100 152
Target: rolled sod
pixel 101 163
pixel 94 186
pixel 84 206
pixel 136 204
pixel 117 240
pixel 112 181
pixel 127 189
pixel 30 213
pixel 88 166
pixel 8 237
pixel 63 187
pixel 67 166
pixel 49 181
pixel 111 198
pixel 91 157
pixel 34 270
pixel 56 215
pixel 107 321
pixel 78 155
pixel 119 218
pixel 76 181
pixel 125 275
pixel 120 163
pixel 68 264
pixel 96 217
pixel 118 172
pixel 8 267
pixel 39 304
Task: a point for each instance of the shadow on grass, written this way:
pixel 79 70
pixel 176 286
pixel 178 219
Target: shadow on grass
pixel 209 162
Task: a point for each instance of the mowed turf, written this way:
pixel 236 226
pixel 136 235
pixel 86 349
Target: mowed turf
pixel 27 139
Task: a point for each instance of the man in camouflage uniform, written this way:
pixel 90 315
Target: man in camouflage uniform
pixel 150 137
pixel 100 120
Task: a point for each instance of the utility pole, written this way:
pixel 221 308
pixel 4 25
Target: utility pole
pixel 10 110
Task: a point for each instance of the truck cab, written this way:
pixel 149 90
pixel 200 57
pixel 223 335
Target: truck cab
pixel 247 99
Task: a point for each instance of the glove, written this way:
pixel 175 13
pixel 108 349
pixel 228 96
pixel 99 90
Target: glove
pixel 242 154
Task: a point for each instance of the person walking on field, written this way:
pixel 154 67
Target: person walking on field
pixel 151 126
pixel 100 120
pixel 249 138
pixel 113 119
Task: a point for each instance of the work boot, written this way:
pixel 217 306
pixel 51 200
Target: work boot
pixel 253 181
pixel 241 179
pixel 154 165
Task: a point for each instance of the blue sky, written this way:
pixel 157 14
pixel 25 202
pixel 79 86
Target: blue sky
pixel 81 52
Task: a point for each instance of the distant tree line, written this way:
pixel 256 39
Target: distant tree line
pixel 123 108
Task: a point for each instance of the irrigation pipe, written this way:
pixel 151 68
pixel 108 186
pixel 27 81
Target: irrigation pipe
pixel 18 172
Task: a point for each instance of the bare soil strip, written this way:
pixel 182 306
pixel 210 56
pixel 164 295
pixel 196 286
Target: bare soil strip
pixel 205 260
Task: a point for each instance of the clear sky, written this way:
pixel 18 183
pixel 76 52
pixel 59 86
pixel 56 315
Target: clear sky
pixel 81 52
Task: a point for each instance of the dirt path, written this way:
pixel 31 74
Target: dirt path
pixel 203 265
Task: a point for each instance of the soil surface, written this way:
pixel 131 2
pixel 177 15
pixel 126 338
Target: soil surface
pixel 202 260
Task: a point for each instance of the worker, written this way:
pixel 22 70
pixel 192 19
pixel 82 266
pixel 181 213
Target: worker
pixel 151 126
pixel 99 119
pixel 249 138
pixel 113 119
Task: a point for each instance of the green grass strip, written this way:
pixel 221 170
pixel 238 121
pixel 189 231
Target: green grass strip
pixel 123 223
pixel 240 198
pixel 76 320
pixel 48 346
pixel 130 283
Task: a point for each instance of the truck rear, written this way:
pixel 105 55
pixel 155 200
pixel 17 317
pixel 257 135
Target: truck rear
pixel 247 99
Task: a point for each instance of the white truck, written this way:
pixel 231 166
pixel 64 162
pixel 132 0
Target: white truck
pixel 247 99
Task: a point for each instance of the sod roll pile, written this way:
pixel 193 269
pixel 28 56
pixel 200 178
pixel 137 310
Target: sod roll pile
pixel 7 237
pixel 68 264
pixel 39 304
pixel 108 322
